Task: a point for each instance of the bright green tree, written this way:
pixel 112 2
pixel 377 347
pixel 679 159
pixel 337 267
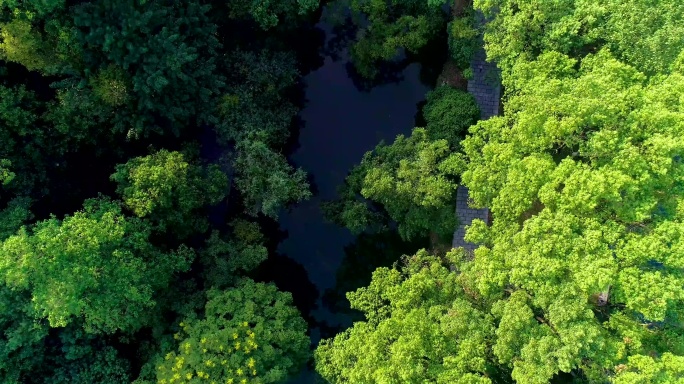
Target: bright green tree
pixel 646 369
pixel 45 44
pixel 97 266
pixel 645 34
pixel 250 333
pixel 170 190
pixel 421 326
pixel 584 178
pixel 413 179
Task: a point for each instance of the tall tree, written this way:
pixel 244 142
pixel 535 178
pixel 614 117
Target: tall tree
pixel 250 333
pixel 449 112
pixel 413 179
pixel 266 180
pixel 170 190
pixel 584 178
pixel 645 34
pixel 421 326
pixel 97 266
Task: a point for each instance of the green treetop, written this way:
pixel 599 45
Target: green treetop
pixel 421 326
pixel 169 190
pixel 584 178
pixel 249 334
pixel 414 181
pixel 646 34
pixel 266 180
pixel 449 112
pixel 96 265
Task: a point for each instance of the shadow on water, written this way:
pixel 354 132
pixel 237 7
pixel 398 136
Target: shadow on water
pixel 342 119
pixel 432 58
pixel 389 72
pixel 290 276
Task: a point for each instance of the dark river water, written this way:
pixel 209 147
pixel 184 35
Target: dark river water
pixel 340 123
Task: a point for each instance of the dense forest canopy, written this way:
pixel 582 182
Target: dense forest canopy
pixel 106 242
pixel 128 248
pixel 579 276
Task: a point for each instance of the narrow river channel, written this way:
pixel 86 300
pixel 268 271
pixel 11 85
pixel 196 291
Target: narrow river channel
pixel 341 123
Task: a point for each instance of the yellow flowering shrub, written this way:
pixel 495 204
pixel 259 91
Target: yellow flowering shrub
pixel 250 334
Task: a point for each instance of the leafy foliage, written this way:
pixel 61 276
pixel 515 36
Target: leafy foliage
pixel 21 341
pixel 168 189
pixel 266 180
pixel 255 105
pixel 388 27
pixel 168 53
pixel 250 333
pixel 84 87
pixel 463 38
pixel 584 178
pixel 414 181
pixel 448 113
pixel 40 8
pixel 19 114
pixel 84 358
pixel 644 34
pixel 48 45
pixel 646 369
pixel 421 325
pixel 96 265
pixel 226 260
pixel 270 13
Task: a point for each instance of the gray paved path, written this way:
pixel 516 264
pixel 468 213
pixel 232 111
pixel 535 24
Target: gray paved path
pixel 487 94
pixel 465 215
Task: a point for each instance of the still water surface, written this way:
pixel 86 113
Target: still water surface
pixel 341 123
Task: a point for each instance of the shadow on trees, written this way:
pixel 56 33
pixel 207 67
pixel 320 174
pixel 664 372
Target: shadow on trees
pixel 431 58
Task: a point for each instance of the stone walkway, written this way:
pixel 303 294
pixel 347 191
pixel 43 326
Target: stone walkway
pixel 465 215
pixel 487 93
